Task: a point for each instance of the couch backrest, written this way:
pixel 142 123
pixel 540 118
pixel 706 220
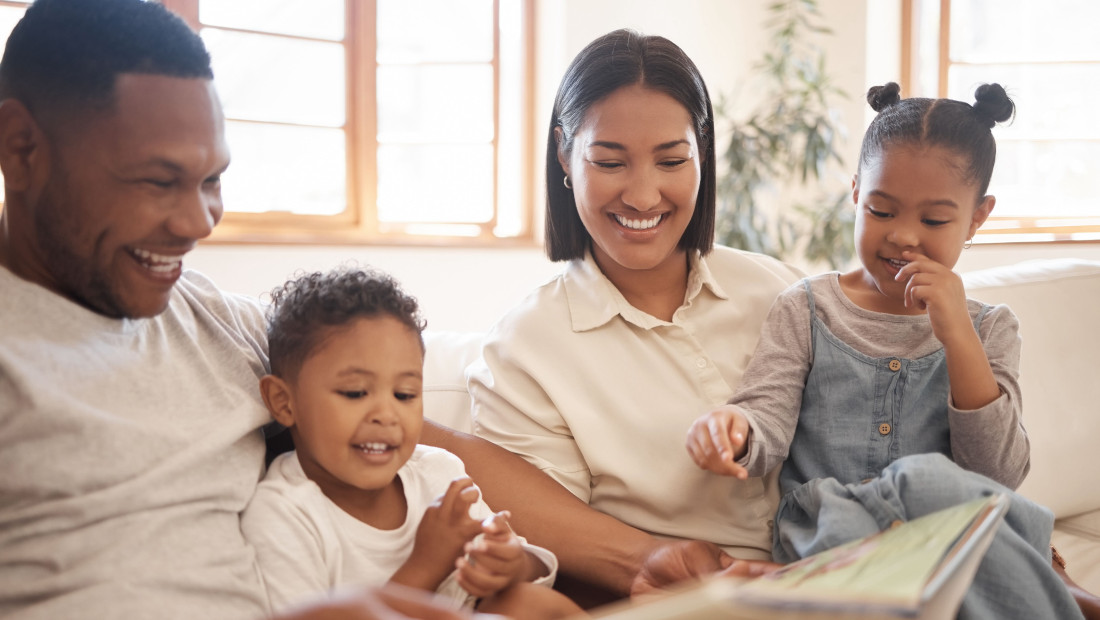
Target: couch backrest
pixel 1058 304
pixel 446 356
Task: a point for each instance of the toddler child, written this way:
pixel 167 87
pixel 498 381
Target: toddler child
pixel 884 392
pixel 359 501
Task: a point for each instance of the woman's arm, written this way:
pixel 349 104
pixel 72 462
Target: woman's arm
pixel 591 546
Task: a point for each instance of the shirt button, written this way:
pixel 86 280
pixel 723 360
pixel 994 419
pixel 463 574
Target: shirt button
pixel 701 362
pixel 884 429
pixel 895 365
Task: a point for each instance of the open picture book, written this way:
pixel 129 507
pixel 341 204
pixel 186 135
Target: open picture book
pixel 916 569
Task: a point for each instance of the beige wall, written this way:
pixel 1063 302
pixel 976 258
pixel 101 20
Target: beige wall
pixel 467 289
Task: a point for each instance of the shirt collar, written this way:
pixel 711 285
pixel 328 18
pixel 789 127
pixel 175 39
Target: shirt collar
pixel 593 300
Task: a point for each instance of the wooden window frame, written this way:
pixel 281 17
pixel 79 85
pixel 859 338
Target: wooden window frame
pixel 359 223
pixel 1058 229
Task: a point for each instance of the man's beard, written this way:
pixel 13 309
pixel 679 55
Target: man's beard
pixel 58 222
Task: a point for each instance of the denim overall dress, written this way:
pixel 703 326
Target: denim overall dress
pixel 873 446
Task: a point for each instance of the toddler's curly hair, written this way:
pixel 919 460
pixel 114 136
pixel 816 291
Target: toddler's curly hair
pixel 305 309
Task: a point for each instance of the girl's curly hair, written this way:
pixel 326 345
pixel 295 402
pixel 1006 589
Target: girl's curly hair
pixel 302 309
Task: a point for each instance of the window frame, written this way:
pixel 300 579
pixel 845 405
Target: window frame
pixel 997 229
pixel 358 224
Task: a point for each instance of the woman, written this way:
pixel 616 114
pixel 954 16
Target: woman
pixel 597 374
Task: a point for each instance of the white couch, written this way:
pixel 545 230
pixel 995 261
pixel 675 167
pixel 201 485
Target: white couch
pixel 1058 304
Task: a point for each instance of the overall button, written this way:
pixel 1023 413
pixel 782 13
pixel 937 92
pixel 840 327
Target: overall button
pixel 895 365
pixel 884 429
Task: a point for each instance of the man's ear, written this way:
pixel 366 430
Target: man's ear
pixel 981 214
pixel 277 397
pixel 22 144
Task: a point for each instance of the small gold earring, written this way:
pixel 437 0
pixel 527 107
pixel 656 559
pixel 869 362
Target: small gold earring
pixel 969 242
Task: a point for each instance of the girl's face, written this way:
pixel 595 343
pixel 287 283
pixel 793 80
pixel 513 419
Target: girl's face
pixel 915 199
pixel 355 407
pixel 635 171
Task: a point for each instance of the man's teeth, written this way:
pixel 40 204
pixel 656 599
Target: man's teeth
pixel 158 262
pixel 373 447
pixel 638 224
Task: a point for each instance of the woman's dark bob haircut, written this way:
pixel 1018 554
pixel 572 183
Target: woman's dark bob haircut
pixel 616 60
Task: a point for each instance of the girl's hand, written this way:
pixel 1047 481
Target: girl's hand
pixel 444 530
pixel 717 439
pixel 933 287
pixel 496 559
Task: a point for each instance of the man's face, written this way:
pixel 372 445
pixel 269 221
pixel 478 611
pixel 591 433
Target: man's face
pixel 128 193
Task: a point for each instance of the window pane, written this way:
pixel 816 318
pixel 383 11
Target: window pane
pixel 9 15
pixel 1044 110
pixel 436 103
pixel 435 30
pixel 280 168
pixel 321 19
pixel 1024 30
pixel 435 183
pixel 1046 179
pixel 270 78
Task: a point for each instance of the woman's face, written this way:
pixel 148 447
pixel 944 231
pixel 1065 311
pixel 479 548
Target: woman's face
pixel 635 170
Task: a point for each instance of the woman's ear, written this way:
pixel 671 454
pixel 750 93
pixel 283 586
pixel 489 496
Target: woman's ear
pixel 277 397
pixel 563 161
pixel 981 214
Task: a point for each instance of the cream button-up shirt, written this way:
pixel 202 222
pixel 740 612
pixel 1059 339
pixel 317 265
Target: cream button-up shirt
pixel 599 394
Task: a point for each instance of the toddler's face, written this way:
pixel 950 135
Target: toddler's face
pixel 357 406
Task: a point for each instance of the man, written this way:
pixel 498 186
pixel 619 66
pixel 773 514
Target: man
pixel 129 410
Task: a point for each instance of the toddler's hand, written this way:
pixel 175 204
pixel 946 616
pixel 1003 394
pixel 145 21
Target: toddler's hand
pixel 443 532
pixel 494 560
pixel 717 439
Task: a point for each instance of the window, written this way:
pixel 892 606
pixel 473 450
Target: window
pixel 379 121
pixel 1047 55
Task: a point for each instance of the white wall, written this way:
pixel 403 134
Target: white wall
pixel 468 288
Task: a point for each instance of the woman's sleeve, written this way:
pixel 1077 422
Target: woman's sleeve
pixel 770 394
pixel 992 440
pixel 512 409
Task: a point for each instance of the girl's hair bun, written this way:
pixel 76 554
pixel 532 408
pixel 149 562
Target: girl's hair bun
pixel 882 97
pixel 992 103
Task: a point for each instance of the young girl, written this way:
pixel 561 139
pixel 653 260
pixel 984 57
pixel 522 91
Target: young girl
pixel 358 501
pixel 863 382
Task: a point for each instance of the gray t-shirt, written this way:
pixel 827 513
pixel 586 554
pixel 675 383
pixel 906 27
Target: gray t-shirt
pixel 129 449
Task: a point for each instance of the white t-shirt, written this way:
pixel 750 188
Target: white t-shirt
pixel 599 394
pixel 307 545
pixel 129 449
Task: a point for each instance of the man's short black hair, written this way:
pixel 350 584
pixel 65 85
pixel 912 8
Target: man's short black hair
pixel 65 55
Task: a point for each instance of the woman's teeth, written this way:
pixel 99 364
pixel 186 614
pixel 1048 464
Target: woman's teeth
pixel 645 224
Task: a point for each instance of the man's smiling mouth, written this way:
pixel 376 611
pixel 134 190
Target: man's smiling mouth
pixel 158 263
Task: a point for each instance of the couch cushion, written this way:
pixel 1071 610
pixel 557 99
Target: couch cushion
pixel 446 400
pixel 1056 301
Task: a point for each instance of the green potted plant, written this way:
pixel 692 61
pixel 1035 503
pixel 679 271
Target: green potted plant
pixel 788 141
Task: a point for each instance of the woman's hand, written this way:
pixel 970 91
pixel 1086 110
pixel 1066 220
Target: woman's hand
pixel 717 439
pixel 496 559
pixel 674 561
pixel 444 530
